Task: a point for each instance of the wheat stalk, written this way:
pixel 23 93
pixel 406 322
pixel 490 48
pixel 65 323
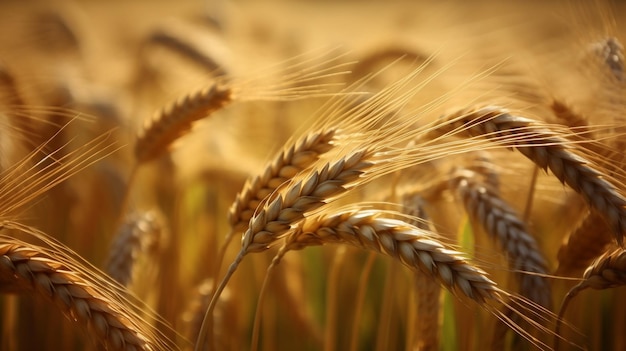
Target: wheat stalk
pixel 548 150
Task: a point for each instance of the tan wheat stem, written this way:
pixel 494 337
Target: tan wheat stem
pixel 332 293
pixel 548 150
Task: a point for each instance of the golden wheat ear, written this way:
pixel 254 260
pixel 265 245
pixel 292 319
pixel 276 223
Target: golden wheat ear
pixel 502 223
pixel 422 252
pixel 81 292
pixel 140 234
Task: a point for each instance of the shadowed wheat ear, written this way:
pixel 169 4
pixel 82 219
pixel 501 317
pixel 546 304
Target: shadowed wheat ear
pixel 549 150
pixel 416 248
pixel 588 241
pixel 82 293
pixel 502 223
pixel 139 234
pixel 606 272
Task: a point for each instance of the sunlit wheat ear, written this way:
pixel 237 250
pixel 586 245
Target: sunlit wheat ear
pixel 417 249
pixel 169 124
pixel 140 234
pixel 428 292
pixel 585 243
pixel 606 272
pixel 82 293
pixel 501 222
pixel 549 150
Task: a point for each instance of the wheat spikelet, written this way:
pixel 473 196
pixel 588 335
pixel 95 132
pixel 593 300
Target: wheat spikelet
pixel 139 234
pixel 547 149
pixel 503 224
pixel 53 277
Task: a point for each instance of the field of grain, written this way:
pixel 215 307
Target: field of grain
pixel 304 175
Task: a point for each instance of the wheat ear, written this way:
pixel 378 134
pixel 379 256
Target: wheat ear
pixel 548 150
pixel 501 222
pixel 139 234
pixel 606 272
pixel 40 271
pixel 169 124
pixel 587 242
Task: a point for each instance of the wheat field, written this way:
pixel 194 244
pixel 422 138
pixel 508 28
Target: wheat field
pixel 303 175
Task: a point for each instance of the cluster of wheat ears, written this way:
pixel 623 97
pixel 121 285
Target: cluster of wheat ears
pixel 459 189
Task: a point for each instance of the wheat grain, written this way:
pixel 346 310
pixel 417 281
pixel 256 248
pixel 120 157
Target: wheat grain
pixel 547 149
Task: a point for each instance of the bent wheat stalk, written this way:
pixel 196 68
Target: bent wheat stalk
pixel 548 150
